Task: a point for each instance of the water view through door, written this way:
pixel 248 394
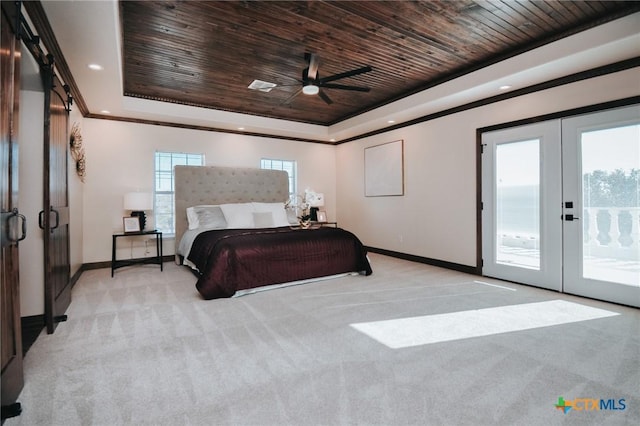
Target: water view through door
pixel 521 205
pixel 561 205
pixel 518 203
pixel 602 242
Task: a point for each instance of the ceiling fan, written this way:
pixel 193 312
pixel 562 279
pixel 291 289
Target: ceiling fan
pixel 312 83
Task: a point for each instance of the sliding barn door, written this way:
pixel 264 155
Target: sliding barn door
pixel 54 219
pixel 12 221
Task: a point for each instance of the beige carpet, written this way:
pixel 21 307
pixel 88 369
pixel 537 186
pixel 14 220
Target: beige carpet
pixel 144 348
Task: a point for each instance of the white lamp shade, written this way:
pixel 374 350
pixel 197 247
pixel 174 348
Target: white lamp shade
pixel 138 201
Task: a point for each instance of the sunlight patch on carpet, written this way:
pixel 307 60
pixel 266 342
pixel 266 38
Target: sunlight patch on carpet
pixel 415 331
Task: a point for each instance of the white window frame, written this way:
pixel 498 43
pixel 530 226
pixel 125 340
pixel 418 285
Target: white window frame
pixel 289 166
pixel 163 194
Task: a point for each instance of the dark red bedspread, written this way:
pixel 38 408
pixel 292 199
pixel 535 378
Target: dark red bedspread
pixel 238 259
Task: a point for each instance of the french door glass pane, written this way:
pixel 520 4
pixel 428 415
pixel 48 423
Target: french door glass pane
pixel 611 208
pixel 518 203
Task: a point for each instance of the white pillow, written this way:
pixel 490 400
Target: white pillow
pixel 206 216
pixel 278 211
pixel 238 215
pixel 263 219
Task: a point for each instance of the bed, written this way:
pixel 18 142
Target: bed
pixel 232 230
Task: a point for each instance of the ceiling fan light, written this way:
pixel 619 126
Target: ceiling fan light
pixel 310 89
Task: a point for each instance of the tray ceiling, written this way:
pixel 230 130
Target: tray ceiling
pixel 207 53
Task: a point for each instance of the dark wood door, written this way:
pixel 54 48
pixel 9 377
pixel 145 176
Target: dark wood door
pixel 12 222
pixel 55 215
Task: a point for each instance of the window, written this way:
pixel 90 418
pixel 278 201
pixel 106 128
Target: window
pixel 286 165
pixel 163 201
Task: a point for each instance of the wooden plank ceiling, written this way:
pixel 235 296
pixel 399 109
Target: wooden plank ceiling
pixel 207 53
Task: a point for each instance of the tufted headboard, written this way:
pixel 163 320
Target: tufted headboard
pixel 195 185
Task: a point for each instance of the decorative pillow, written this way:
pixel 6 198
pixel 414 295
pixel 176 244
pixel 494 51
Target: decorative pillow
pixel 238 215
pixel 263 219
pixel 206 216
pixel 278 211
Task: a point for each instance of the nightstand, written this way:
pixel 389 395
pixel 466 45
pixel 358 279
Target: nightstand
pixel 115 264
pixel 316 225
pixel 323 224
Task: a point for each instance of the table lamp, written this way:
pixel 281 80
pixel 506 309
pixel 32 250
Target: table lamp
pixel 315 200
pixel 138 202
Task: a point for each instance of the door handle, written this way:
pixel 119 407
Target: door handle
pixel 570 217
pixel 57 216
pixel 11 229
pixel 24 225
pixel 41 219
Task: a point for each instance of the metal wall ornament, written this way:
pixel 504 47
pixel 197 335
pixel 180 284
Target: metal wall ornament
pixel 77 151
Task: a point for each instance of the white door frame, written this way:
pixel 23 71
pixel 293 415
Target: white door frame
pixel 549 275
pixel 561 247
pixel 574 281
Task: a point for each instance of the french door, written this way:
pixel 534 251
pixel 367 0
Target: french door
pixel 561 205
pixel 602 171
pixel 522 231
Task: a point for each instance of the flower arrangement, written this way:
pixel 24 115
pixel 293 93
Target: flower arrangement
pixel 301 204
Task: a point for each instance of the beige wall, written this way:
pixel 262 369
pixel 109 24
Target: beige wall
pixel 436 218
pixel 120 159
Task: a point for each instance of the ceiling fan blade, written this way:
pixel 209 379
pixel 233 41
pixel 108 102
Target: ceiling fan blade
pixel 343 87
pixel 289 85
pixel 324 97
pixel 345 74
pixel 312 74
pixel 290 98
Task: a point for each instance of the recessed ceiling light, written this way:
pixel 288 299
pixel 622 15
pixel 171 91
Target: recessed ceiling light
pixel 96 67
pixel 332 140
pixel 391 121
pixel 105 111
pixel 505 87
pixel 240 128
